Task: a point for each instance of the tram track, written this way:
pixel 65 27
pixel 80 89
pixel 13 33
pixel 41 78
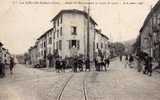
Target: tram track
pixel 59 97
pixel 66 83
pixel 85 88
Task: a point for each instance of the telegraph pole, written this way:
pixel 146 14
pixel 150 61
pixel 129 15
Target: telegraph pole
pixel 150 34
pixel 88 34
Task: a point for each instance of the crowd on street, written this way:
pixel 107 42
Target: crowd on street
pixel 144 63
pixel 81 64
pixel 78 63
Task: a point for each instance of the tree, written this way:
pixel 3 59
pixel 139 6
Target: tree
pixel 117 48
pixel 26 58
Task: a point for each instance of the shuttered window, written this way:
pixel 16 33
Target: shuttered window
pixel 60 44
pixel 57 45
pixel 75 43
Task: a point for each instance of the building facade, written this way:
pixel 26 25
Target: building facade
pixel 33 54
pixel 42 48
pixel 70 30
pixel 68 36
pixel 101 43
pixel 4 55
pixel 150 33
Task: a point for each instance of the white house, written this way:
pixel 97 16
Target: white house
pixel 33 54
pixel 101 43
pixel 70 30
pixel 69 35
pixel 4 55
pixel 42 47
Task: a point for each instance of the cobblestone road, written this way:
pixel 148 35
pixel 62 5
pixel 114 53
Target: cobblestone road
pixel 118 83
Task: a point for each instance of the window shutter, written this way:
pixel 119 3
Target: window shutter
pixel 78 46
pixel 70 44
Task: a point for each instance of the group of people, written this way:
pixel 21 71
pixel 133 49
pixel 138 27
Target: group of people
pixel 81 64
pixel 3 66
pixel 75 63
pixel 102 63
pixel 129 61
pixel 147 65
pixel 60 64
pixel 144 63
pixel 4 63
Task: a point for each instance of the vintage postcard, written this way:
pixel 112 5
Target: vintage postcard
pixel 79 50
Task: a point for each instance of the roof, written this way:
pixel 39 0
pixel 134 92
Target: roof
pixel 99 32
pixel 43 35
pixel 74 11
pixel 32 47
pixel 153 10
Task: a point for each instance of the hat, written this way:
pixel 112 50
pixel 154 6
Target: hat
pixel 1 44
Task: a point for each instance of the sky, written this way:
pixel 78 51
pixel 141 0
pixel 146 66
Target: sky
pixel 22 23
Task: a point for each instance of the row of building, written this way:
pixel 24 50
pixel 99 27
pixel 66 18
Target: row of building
pixel 148 40
pixel 70 29
pixel 4 55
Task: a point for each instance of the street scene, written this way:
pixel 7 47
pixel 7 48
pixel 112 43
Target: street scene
pixel 83 54
pixel 119 83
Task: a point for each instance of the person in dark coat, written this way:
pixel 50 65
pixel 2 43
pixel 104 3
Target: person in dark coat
pixel 148 66
pixel 87 63
pixel 2 63
pixel 126 61
pixel 11 66
pixel 75 64
pixel 80 64
pixel 2 67
pixel 120 57
pixel 131 59
pixel 63 65
pixel 126 58
pixel 99 61
pixel 96 64
pixel 145 66
pixel 146 63
pixel 57 65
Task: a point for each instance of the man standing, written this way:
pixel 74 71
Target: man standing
pixel 131 59
pixel 11 66
pixel 146 65
pixel 63 64
pixel 87 63
pixel 126 61
pixel 57 65
pixel 98 63
pixel 2 66
pixel 120 57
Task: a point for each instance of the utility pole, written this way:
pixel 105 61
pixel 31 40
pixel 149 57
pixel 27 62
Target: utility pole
pixel 88 34
pixel 150 34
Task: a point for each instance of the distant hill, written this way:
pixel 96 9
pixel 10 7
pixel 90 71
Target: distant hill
pixel 20 58
pixel 128 45
pixel 129 42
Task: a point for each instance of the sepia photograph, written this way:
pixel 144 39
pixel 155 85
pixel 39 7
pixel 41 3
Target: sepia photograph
pixel 79 49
